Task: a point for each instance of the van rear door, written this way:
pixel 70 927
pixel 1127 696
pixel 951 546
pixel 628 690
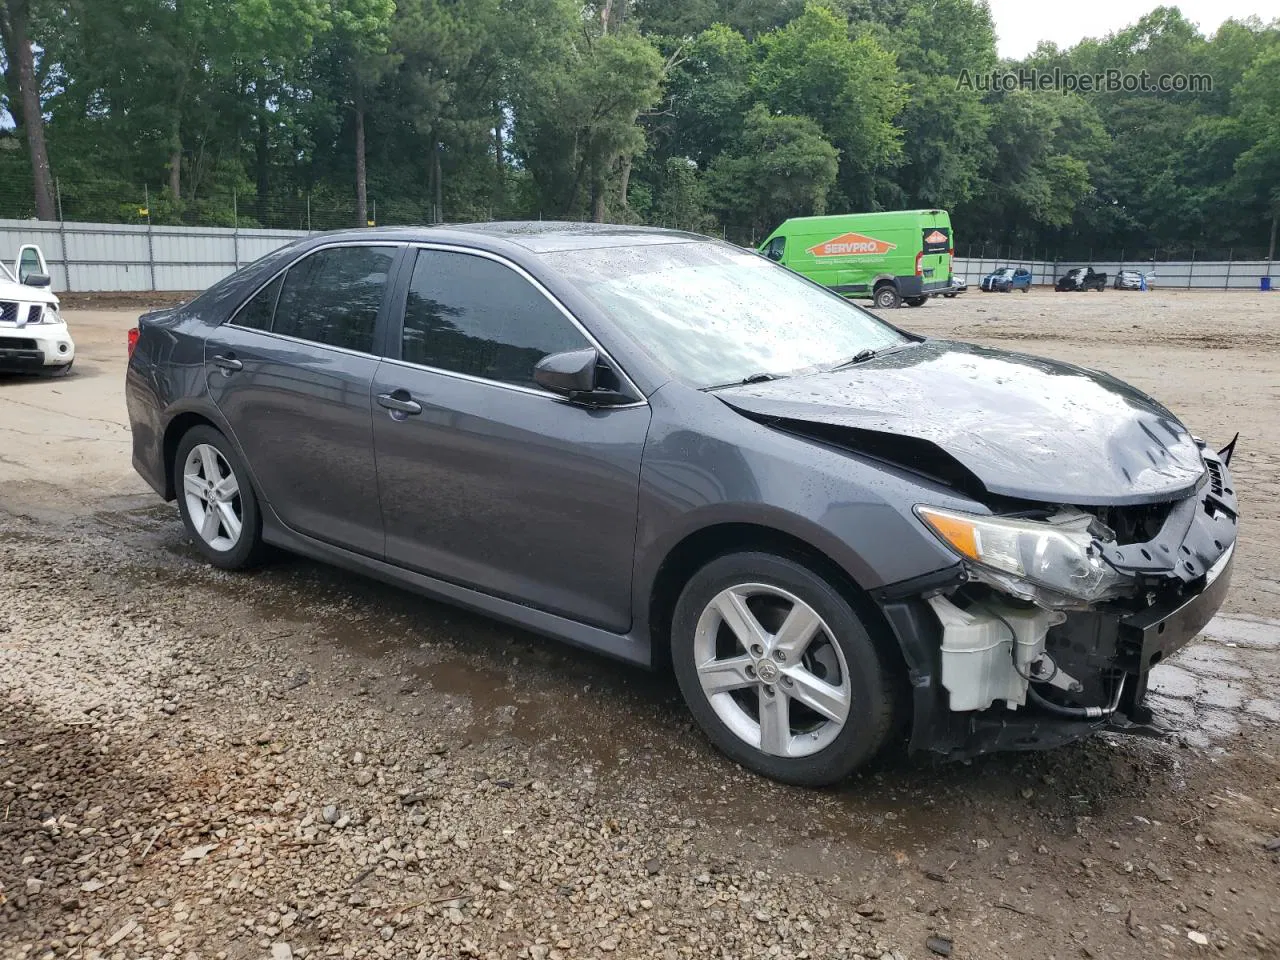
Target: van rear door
pixel 936 246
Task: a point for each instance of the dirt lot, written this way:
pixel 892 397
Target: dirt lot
pixel 298 762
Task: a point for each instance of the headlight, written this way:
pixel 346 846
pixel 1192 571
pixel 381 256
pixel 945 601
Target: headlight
pixel 1053 563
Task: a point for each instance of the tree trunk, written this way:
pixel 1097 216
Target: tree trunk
pixel 598 210
pixel 624 182
pixel 262 160
pixel 175 162
pixel 14 16
pixel 439 178
pixel 362 194
pixel 500 187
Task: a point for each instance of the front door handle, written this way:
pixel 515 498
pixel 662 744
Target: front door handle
pixel 229 363
pixel 399 401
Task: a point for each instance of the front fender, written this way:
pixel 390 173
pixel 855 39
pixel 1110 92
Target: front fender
pixel 730 469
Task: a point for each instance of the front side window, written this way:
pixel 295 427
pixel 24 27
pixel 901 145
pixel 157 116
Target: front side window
pixel 473 315
pixel 776 248
pixel 712 314
pixel 332 296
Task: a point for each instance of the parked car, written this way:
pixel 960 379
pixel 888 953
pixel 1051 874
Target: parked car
pixel 844 538
pixel 958 286
pixel 1133 280
pixel 1006 280
pixel 33 336
pixel 1081 278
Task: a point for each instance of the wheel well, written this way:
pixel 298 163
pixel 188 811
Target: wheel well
pixel 701 547
pixel 173 435
pixel 885 282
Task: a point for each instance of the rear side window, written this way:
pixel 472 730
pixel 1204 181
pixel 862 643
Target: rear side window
pixel 256 314
pixel 472 315
pixel 332 297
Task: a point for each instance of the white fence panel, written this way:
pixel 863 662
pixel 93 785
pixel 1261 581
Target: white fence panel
pixel 131 257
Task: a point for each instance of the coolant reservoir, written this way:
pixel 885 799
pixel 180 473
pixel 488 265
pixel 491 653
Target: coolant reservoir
pixel 978 651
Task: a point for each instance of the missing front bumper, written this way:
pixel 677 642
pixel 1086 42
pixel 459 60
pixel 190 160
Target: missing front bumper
pixel 1100 647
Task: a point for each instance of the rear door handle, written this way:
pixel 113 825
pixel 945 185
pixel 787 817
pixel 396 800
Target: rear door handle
pixel 228 362
pixel 399 401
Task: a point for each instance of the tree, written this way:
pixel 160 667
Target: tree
pixel 362 51
pixel 20 72
pixel 849 86
pixel 783 167
pixel 1257 170
pixel 579 118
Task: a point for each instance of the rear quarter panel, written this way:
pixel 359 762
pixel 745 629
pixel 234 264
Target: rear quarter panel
pixel 164 379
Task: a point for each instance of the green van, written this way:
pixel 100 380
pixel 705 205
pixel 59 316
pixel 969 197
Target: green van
pixel 892 257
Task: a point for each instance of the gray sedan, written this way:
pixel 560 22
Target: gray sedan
pixel 844 539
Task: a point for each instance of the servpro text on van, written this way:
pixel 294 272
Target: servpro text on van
pixel 895 257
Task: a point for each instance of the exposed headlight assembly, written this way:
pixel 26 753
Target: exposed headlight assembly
pixel 1053 563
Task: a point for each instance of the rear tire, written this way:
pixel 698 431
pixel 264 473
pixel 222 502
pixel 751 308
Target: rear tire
pixel 916 301
pixel 216 500
pixel 756 702
pixel 886 297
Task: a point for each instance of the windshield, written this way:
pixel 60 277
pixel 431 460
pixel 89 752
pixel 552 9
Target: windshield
pixel 1006 272
pixel 712 314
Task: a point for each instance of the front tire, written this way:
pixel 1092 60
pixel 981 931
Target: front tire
pixel 779 670
pixel 216 500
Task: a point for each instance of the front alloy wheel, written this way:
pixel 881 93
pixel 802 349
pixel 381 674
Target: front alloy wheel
pixel 780 671
pixel 771 671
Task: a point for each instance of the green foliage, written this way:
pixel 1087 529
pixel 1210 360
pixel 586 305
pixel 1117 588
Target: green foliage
pixel 711 115
pixel 783 167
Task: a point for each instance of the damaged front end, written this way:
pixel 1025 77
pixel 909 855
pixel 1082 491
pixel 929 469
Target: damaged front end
pixel 1050 623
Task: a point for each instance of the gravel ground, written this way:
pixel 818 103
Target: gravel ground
pixel 298 762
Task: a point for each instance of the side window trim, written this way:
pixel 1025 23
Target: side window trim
pixel 384 308
pixel 395 333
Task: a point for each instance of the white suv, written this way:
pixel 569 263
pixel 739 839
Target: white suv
pixel 33 335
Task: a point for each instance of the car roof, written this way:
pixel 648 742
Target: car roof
pixel 535 236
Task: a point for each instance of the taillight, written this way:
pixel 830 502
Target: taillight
pixel 133 339
pixel 920 264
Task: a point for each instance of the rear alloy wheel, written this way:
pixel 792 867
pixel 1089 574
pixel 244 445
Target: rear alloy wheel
pixel 779 671
pixel 216 500
pixel 886 297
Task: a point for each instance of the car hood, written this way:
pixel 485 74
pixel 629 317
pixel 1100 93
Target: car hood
pixel 1001 423
pixel 25 294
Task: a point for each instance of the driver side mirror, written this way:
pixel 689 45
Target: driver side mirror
pixel 580 377
pixel 36 280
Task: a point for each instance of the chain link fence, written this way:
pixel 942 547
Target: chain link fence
pixel 112 235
